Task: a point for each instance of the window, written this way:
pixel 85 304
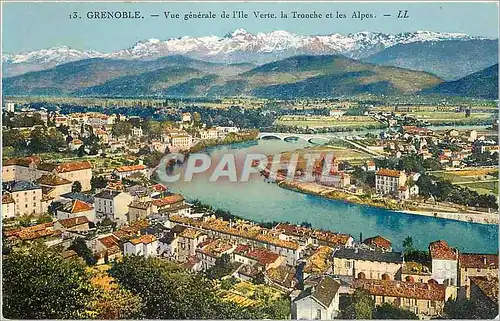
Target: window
pixel 348 264
pixel 318 314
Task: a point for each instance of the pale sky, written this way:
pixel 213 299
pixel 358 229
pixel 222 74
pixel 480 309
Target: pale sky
pixel 33 26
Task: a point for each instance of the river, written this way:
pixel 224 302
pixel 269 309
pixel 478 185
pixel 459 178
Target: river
pixel 262 201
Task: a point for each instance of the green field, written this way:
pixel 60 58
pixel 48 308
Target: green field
pixel 325 121
pixel 483 187
pixel 437 117
pixel 483 181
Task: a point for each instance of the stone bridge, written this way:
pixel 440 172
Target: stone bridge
pixel 318 139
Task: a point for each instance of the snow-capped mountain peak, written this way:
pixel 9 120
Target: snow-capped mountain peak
pixel 237 46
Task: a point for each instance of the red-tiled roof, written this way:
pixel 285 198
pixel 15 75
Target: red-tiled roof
pixel 159 187
pixel 144 239
pixel 440 250
pixel 131 168
pixel 73 166
pixel 74 221
pixel 388 172
pixel 241 248
pixel 478 261
pixel 263 256
pixel 24 161
pixel 295 230
pixel 80 206
pixel 52 180
pixel 379 242
pixel 400 289
pixel 109 241
pixel 332 239
pixel 168 200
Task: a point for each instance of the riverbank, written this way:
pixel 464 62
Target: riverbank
pixel 312 188
pixel 231 138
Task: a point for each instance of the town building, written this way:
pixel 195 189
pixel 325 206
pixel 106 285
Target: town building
pixel 54 186
pixel 74 224
pixel 210 250
pixel 75 208
pixel 333 240
pixel 168 243
pixel 137 132
pixel 125 171
pixel 388 181
pixel 259 256
pixel 139 210
pixel 75 144
pixel 209 134
pixel 444 263
pixel 320 302
pixel 320 262
pixel 173 204
pixel 186 117
pixel 180 142
pixel 416 272
pixel 145 245
pixel 281 277
pixel 8 206
pixel 20 169
pixel 475 264
pixel 28 198
pixel 112 204
pixel 367 263
pixel 424 299
pixel 189 239
pixel 379 242
pixel 80 171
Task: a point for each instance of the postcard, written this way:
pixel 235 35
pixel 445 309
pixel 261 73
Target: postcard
pixel 249 160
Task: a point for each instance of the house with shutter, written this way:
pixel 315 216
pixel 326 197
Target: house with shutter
pixel 318 302
pixel 367 263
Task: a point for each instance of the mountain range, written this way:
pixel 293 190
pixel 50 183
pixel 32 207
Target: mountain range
pixel 241 46
pixel 298 76
pixel 481 84
pixel 274 65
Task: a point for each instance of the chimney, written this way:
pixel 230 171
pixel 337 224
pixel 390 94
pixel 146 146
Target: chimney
pixel 360 237
pixel 484 260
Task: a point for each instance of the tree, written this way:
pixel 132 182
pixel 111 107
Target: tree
pixel 408 244
pixel 39 284
pixel 361 306
pixel 306 224
pixel 169 292
pixel 76 187
pixel 116 303
pixel 462 309
pixel 221 268
pixel 388 311
pixel 80 247
pixel 81 151
pixel 98 182
pixel 121 129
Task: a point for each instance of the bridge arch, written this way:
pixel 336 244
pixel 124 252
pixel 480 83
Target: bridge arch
pixel 291 138
pixel 270 136
pixel 314 140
